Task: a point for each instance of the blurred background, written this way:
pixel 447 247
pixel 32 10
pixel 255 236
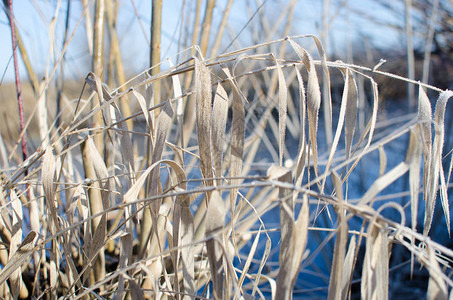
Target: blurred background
pixel 414 37
pixel 351 30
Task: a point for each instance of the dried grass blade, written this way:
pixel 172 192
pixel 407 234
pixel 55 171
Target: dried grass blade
pixel 301 234
pixel 102 175
pixel 49 187
pixel 174 241
pixel 124 261
pixel 231 278
pixel 382 267
pixel 132 193
pixel 444 197
pixel 293 234
pixel 16 238
pixel 291 256
pixel 215 221
pixel 19 258
pixel 202 94
pixel 335 287
pixel 349 95
pixel 301 156
pixel 369 128
pixel 282 111
pixel 247 264
pixel 435 164
pixel 127 149
pixel 104 95
pixel 313 99
pixel 177 92
pixel 286 203
pixel 95 83
pixel 144 107
pixel 382 160
pixel 425 120
pixel 346 278
pixel 327 90
pixel 186 232
pixel 136 290
pixel 99 225
pixel 4 157
pixel 301 52
pixel 98 240
pixel 162 129
pixel 437 289
pixel 375 266
pixel 220 113
pixel 351 113
pixel 384 181
pixel 414 159
pixel 183 233
pixel 450 168
pixel 127 154
pixel 48 182
pixel 266 253
pixel 237 137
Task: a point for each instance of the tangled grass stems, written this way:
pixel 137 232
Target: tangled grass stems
pixel 211 202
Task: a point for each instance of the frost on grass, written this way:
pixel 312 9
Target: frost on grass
pixel 201 204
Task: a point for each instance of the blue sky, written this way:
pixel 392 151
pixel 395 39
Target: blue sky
pixel 34 18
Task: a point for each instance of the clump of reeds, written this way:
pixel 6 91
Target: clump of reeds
pixel 226 183
pixel 191 219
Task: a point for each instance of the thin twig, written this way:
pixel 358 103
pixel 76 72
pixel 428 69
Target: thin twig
pixel 9 5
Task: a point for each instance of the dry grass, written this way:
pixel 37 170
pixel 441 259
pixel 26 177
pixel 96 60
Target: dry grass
pixel 231 177
pixel 210 196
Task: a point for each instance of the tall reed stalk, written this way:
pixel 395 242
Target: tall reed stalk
pixel 9 6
